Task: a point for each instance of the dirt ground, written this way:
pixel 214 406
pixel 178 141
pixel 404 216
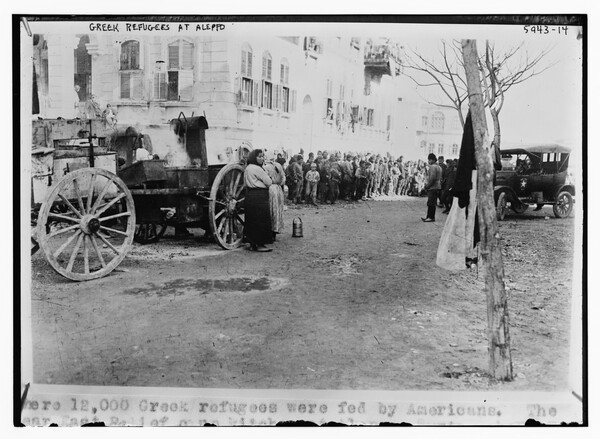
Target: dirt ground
pixel 357 303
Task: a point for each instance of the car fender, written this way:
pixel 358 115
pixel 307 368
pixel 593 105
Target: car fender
pixel 568 188
pixel 510 194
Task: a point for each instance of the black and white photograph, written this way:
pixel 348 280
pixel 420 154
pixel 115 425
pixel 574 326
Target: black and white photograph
pixel 255 220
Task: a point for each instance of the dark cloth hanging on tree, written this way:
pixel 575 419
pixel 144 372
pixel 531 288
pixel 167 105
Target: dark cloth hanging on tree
pixel 466 164
pixel 464 170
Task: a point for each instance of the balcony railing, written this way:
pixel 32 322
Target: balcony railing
pixel 381 58
pixel 313 45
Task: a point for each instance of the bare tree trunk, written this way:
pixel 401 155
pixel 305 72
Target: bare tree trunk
pixel 497 136
pixel 500 363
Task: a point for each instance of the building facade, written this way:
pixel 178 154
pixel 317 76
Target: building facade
pixel 439 131
pixel 279 93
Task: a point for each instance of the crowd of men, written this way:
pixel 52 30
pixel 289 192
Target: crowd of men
pixel 327 178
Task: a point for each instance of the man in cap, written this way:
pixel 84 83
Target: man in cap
pixel 432 187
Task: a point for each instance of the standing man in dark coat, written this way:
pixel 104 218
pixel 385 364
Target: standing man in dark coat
pixel 444 170
pixel 433 187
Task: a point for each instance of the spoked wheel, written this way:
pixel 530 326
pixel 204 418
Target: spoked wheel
pixel 501 206
pixel 87 223
pixel 226 206
pixel 564 205
pixel 147 233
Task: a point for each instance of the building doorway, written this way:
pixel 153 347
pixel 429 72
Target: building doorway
pixel 83 69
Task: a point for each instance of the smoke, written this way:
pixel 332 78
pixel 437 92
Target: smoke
pixel 177 156
pixel 166 144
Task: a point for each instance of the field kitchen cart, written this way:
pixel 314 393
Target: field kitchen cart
pixel 87 210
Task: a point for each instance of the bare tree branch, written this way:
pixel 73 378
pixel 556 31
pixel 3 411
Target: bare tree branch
pixel 500 71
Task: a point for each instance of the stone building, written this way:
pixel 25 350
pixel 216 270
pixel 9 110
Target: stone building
pixel 439 131
pixel 279 93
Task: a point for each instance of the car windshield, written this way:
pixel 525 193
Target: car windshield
pixel 544 163
pixel 511 162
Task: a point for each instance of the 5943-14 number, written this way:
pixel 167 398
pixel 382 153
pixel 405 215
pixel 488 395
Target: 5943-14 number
pixel 545 29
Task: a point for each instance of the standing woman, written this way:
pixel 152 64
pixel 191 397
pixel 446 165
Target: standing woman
pixel 276 195
pixel 257 229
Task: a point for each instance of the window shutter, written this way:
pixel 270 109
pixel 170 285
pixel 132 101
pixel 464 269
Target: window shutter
pixel 264 95
pixel 293 101
pixel 140 56
pixel 123 58
pixel 137 87
pixel 282 74
pixel 187 55
pixel 269 68
pixel 256 93
pixel 249 64
pixel 173 56
pixel 125 85
pixel 264 67
pixel 237 89
pixel 287 74
pixel 160 85
pixel 243 68
pixel 277 97
pixel 186 85
pixel 156 86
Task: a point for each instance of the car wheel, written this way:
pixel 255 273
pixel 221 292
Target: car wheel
pixel 563 205
pixel 501 206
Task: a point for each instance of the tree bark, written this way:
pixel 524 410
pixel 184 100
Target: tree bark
pixel 500 364
pixel 495 119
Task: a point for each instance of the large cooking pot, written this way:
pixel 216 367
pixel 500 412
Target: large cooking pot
pixel 184 177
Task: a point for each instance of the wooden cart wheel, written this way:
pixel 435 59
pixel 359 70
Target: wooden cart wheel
pixel 226 207
pixel 147 233
pixel 501 206
pixel 87 223
pixel 564 205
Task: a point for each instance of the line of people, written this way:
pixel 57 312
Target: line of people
pixel 326 178
pixel 329 178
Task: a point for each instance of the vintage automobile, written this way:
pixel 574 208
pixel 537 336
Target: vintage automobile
pixel 535 174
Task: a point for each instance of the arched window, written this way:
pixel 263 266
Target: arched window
pixel 284 75
pixel 267 66
pixel 248 87
pixel 130 71
pixel 130 55
pixel 180 74
pixel 437 121
pixel 423 144
pixel 267 85
pixel 246 68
